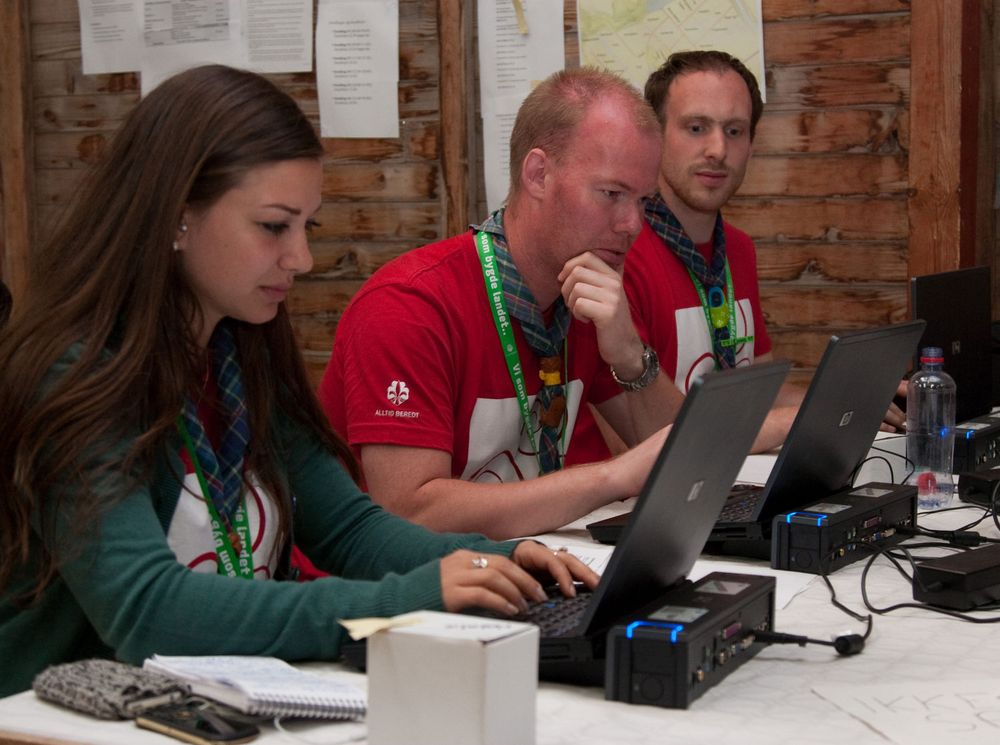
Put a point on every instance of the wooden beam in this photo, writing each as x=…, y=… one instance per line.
x=454, y=113
x=935, y=136
x=16, y=146
x=951, y=185
x=975, y=173
x=983, y=248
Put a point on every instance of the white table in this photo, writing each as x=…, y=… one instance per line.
x=772, y=698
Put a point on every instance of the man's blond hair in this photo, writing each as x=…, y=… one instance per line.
x=549, y=115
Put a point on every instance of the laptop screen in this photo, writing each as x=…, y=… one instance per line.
x=686, y=488
x=840, y=415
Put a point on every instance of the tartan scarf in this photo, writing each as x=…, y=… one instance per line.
x=545, y=341
x=223, y=469
x=666, y=225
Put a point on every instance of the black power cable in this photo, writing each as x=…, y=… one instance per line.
x=958, y=538
x=895, y=561
x=845, y=644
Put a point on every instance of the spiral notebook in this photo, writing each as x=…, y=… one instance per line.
x=264, y=686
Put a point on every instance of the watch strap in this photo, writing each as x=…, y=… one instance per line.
x=650, y=369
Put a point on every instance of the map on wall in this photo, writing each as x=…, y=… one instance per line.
x=633, y=37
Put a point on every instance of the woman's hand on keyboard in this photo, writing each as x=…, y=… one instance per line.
x=559, y=564
x=505, y=586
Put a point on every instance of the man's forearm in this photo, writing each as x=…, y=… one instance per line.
x=510, y=510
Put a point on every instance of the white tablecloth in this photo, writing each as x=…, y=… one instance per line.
x=922, y=678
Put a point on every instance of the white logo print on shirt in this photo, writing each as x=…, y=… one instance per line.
x=398, y=392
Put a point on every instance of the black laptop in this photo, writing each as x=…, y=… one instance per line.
x=833, y=430
x=956, y=307
x=680, y=500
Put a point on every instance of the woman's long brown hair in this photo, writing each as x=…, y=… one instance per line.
x=110, y=282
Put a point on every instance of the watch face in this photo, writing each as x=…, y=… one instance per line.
x=650, y=369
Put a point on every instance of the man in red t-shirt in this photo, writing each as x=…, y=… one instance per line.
x=459, y=370
x=690, y=277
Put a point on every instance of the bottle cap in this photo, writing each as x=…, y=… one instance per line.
x=932, y=354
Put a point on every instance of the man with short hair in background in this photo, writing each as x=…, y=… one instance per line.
x=691, y=277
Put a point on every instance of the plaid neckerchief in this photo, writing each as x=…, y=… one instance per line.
x=223, y=470
x=666, y=225
x=545, y=341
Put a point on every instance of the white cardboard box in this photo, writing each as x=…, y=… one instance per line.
x=450, y=679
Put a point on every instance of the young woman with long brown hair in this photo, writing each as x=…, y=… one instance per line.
x=161, y=443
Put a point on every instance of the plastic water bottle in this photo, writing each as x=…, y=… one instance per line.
x=930, y=430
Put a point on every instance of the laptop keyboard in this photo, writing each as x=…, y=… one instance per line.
x=740, y=505
x=558, y=615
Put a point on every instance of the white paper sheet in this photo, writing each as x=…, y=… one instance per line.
x=162, y=37
x=110, y=35
x=278, y=35
x=178, y=34
x=357, y=67
x=959, y=710
x=511, y=63
x=458, y=626
x=787, y=584
x=497, y=126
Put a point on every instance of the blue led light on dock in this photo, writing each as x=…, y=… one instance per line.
x=673, y=628
x=807, y=518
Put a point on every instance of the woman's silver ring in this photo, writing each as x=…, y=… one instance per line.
x=560, y=550
x=480, y=562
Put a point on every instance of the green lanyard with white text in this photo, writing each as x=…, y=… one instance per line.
x=230, y=563
x=713, y=318
x=501, y=317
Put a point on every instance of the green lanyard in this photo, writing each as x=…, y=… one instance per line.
x=720, y=312
x=230, y=564
x=502, y=319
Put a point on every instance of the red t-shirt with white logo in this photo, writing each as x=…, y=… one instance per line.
x=669, y=314
x=417, y=362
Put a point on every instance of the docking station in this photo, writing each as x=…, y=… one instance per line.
x=979, y=488
x=963, y=580
x=673, y=654
x=835, y=532
x=977, y=444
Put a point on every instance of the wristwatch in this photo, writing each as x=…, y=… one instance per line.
x=650, y=369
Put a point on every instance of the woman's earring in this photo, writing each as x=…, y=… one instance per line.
x=183, y=228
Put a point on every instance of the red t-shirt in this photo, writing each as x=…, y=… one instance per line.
x=669, y=314
x=417, y=362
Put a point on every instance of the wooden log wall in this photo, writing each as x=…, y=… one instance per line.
x=839, y=220
x=828, y=196
x=381, y=197
x=15, y=143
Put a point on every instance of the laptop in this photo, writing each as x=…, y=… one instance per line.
x=956, y=307
x=832, y=432
x=674, y=513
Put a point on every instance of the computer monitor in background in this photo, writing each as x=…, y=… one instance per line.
x=956, y=307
